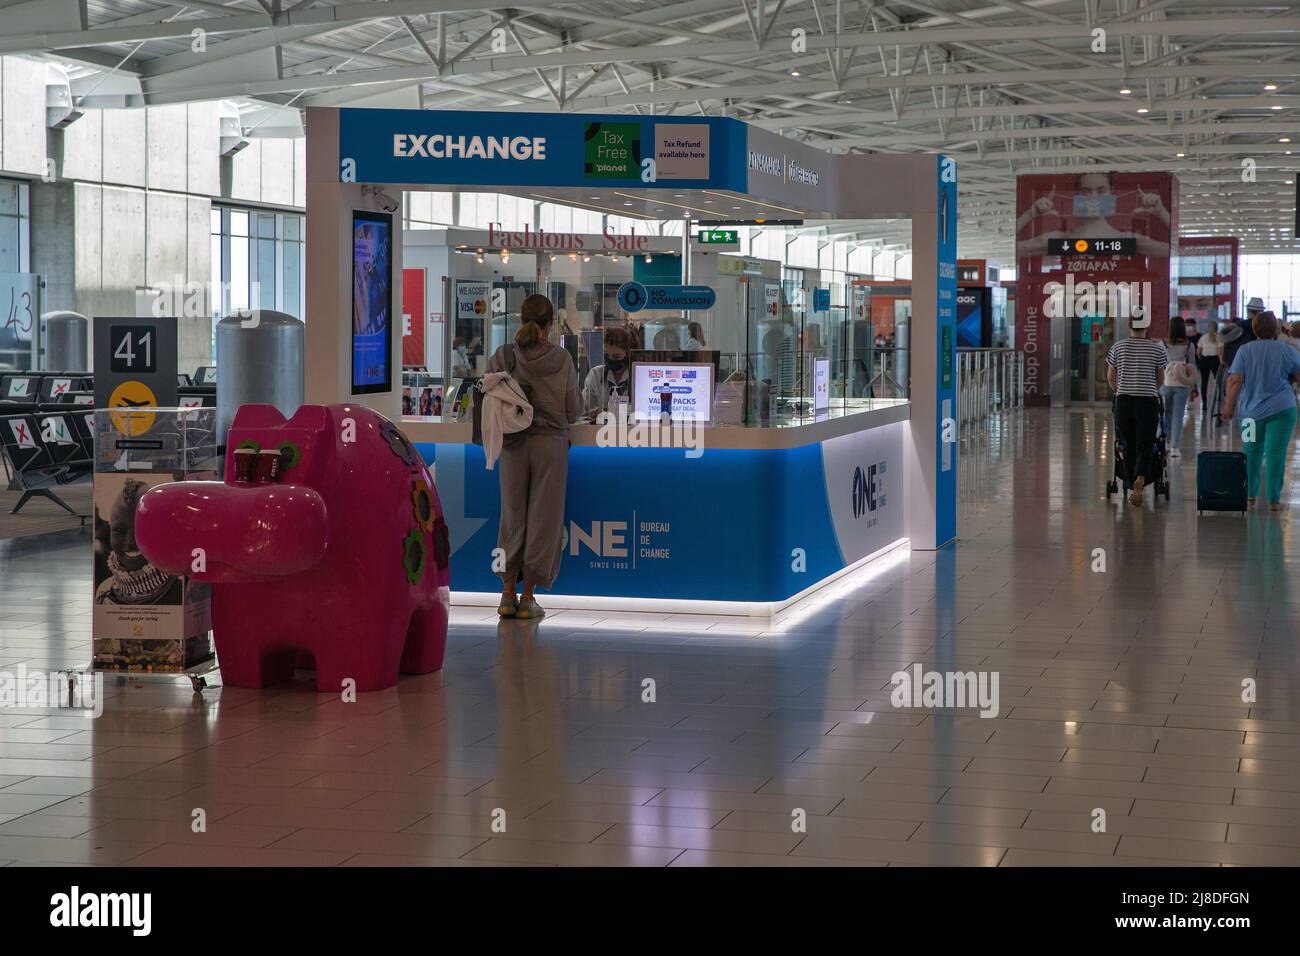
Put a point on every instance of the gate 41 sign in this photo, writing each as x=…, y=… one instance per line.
x=135, y=367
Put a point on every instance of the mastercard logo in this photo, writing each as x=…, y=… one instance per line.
x=480, y=307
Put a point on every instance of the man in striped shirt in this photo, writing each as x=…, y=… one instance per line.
x=1136, y=370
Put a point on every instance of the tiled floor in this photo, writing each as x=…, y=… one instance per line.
x=1120, y=690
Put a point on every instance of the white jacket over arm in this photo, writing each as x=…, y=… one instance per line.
x=505, y=410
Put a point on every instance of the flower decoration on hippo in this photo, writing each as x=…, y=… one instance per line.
x=341, y=562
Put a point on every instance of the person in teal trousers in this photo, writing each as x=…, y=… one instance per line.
x=1259, y=392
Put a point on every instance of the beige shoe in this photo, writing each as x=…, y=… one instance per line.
x=529, y=610
x=508, y=605
x=1135, y=496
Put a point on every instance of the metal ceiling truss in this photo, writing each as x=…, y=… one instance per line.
x=1006, y=86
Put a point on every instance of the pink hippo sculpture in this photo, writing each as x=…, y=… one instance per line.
x=334, y=555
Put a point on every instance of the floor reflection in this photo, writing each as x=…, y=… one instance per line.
x=1145, y=662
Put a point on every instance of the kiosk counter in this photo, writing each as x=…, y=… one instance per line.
x=723, y=518
x=744, y=509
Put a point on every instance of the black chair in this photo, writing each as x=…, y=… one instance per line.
x=19, y=392
x=55, y=384
x=33, y=464
x=183, y=380
x=73, y=398
x=197, y=396
x=205, y=375
x=83, y=421
x=63, y=444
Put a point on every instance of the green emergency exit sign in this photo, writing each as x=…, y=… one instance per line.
x=718, y=237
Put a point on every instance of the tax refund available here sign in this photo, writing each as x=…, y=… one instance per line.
x=633, y=297
x=536, y=149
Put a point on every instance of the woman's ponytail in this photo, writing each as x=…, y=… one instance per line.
x=536, y=314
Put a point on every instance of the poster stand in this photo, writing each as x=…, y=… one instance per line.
x=147, y=622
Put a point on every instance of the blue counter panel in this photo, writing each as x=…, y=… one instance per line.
x=730, y=525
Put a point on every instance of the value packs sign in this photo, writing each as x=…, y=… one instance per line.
x=535, y=149
x=758, y=525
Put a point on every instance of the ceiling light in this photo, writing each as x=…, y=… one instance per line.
x=648, y=260
x=1276, y=107
x=1125, y=91
x=1285, y=139
x=586, y=258
x=794, y=72
x=627, y=202
x=573, y=257
x=1270, y=86
x=1180, y=155
x=1143, y=109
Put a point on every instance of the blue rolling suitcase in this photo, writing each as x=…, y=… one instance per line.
x=1220, y=481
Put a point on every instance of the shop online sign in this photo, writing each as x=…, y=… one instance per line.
x=532, y=149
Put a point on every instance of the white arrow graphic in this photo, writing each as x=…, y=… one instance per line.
x=449, y=478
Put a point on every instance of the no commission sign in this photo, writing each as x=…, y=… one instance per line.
x=633, y=297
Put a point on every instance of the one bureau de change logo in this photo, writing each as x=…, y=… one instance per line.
x=868, y=488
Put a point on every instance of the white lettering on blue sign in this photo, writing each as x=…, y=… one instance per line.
x=445, y=146
x=801, y=174
x=762, y=163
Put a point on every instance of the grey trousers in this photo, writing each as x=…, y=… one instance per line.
x=534, y=472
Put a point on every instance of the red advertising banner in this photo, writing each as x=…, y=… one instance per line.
x=1090, y=245
x=414, y=319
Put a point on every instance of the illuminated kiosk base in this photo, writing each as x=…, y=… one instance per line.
x=758, y=521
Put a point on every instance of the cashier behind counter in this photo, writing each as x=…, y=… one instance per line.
x=610, y=384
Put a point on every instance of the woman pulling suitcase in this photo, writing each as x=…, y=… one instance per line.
x=1259, y=390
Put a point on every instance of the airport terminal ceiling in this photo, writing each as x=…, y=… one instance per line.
x=1206, y=89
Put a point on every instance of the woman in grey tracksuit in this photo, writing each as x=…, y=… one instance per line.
x=535, y=462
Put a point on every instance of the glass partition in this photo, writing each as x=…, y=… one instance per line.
x=783, y=351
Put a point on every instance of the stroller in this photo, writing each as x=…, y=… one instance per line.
x=1159, y=476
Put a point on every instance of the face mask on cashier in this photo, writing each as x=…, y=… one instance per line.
x=1090, y=207
x=616, y=365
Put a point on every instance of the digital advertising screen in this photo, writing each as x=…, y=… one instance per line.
x=970, y=319
x=684, y=392
x=372, y=283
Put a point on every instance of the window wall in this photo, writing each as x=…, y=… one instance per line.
x=20, y=298
x=15, y=227
x=1274, y=278
x=257, y=261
